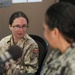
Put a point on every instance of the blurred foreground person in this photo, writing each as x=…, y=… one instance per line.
x=59, y=31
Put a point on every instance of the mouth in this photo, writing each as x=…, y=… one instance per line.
x=20, y=33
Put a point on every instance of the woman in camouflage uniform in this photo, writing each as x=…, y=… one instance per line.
x=59, y=31
x=28, y=63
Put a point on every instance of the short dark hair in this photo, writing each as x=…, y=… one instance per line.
x=70, y=1
x=61, y=15
x=17, y=15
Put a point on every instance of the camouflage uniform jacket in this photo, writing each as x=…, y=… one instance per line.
x=28, y=63
x=60, y=64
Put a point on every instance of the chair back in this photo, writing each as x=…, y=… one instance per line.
x=42, y=50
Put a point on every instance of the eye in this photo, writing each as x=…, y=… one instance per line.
x=17, y=26
x=24, y=26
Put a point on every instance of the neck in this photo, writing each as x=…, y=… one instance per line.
x=64, y=45
x=15, y=40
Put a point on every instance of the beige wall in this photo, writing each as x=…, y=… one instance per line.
x=35, y=12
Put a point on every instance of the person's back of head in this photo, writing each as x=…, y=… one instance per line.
x=70, y=1
x=61, y=15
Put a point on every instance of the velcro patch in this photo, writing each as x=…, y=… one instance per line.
x=35, y=50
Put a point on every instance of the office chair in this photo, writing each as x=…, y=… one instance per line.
x=42, y=51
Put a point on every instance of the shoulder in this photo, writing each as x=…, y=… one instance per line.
x=71, y=60
x=5, y=39
x=70, y=66
x=30, y=40
x=4, y=43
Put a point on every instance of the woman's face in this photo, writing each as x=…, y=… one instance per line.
x=50, y=36
x=18, y=27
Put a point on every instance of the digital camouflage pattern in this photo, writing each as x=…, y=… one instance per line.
x=60, y=64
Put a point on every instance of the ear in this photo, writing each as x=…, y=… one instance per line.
x=10, y=27
x=56, y=32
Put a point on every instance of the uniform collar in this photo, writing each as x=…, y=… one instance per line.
x=11, y=38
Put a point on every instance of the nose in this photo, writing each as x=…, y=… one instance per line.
x=21, y=29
